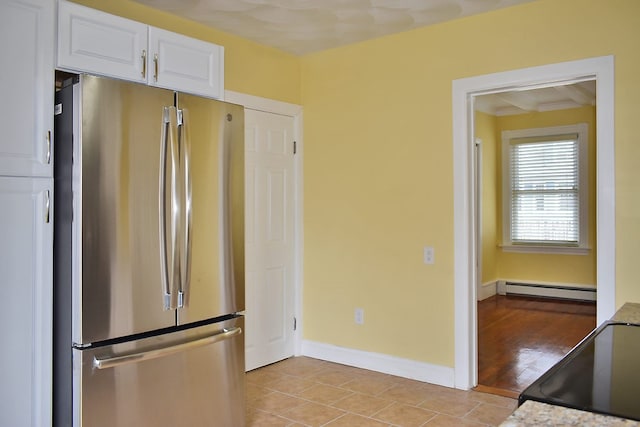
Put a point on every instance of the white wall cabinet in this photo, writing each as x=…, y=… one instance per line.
x=99, y=43
x=27, y=35
x=26, y=279
x=186, y=64
x=27, y=83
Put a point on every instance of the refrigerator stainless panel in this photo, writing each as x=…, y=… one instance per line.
x=120, y=289
x=156, y=214
x=213, y=134
x=190, y=378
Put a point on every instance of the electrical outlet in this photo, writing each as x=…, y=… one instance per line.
x=358, y=316
x=429, y=255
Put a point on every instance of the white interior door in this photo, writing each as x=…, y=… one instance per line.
x=269, y=238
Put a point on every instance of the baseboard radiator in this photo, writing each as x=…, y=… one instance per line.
x=573, y=292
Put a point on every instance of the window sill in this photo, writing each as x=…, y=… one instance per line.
x=532, y=249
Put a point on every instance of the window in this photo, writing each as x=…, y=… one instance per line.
x=545, y=189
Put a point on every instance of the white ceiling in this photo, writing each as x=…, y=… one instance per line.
x=536, y=100
x=304, y=26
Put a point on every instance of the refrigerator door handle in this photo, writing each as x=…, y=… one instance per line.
x=185, y=158
x=169, y=215
x=136, y=357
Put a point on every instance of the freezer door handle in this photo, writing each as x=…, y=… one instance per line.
x=128, y=358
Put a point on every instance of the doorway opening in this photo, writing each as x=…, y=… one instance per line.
x=534, y=160
x=465, y=242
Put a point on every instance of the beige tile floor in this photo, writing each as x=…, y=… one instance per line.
x=302, y=391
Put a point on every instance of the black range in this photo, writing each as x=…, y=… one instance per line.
x=601, y=374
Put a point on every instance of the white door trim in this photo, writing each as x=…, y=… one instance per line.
x=262, y=104
x=295, y=111
x=464, y=90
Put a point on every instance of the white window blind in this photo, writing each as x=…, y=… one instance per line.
x=545, y=190
x=545, y=202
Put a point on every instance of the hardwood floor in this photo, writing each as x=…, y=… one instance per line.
x=519, y=338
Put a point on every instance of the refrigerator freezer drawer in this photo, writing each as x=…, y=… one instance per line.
x=193, y=377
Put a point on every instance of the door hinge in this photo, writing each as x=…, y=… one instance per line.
x=295, y=324
x=295, y=147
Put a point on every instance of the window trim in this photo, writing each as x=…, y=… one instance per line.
x=583, y=193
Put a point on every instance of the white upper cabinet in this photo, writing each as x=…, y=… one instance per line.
x=27, y=85
x=99, y=43
x=186, y=64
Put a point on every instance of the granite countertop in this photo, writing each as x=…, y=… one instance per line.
x=532, y=413
x=628, y=313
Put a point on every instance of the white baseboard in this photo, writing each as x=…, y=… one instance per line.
x=378, y=362
x=487, y=290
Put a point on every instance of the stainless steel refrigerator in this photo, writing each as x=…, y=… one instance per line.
x=148, y=257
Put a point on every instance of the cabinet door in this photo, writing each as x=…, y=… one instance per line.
x=25, y=319
x=27, y=86
x=100, y=43
x=185, y=64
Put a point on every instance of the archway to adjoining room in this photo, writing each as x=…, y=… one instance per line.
x=465, y=92
x=535, y=198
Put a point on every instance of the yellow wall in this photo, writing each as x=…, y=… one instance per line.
x=249, y=67
x=379, y=170
x=486, y=130
x=378, y=155
x=571, y=269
